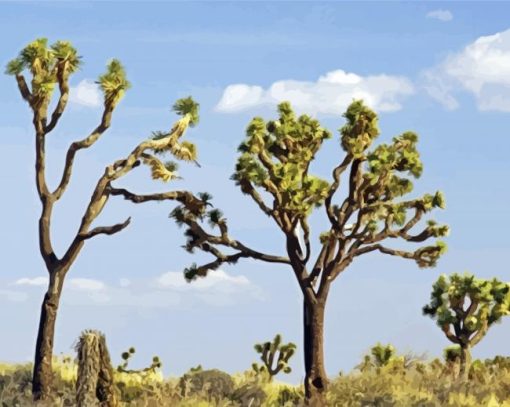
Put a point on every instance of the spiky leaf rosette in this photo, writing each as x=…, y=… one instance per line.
x=163, y=171
x=187, y=107
x=465, y=307
x=113, y=82
x=360, y=130
x=46, y=64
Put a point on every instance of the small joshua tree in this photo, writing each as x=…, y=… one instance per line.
x=379, y=356
x=382, y=354
x=126, y=356
x=271, y=352
x=465, y=307
x=50, y=68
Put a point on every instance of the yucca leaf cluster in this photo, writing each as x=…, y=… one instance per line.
x=276, y=157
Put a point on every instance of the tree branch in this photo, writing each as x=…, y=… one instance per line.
x=79, y=145
x=337, y=172
x=63, y=85
x=449, y=334
x=186, y=198
x=105, y=230
x=385, y=250
x=23, y=88
x=351, y=203
x=201, y=239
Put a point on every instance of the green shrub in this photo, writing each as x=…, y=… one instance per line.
x=211, y=384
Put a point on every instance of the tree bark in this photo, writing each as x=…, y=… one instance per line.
x=43, y=373
x=465, y=362
x=315, y=378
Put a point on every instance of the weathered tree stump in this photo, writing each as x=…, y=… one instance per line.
x=94, y=385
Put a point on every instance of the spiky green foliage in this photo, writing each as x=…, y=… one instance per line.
x=167, y=142
x=275, y=357
x=187, y=106
x=214, y=216
x=276, y=156
x=113, y=82
x=164, y=171
x=45, y=63
x=465, y=307
x=360, y=130
x=382, y=354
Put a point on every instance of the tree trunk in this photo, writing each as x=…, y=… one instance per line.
x=315, y=378
x=465, y=362
x=43, y=373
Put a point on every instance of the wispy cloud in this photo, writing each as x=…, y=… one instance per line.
x=86, y=284
x=36, y=281
x=329, y=95
x=86, y=93
x=217, y=280
x=169, y=289
x=441, y=15
x=482, y=68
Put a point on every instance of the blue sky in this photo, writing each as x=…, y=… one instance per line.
x=440, y=69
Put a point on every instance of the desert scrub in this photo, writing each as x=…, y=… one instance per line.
x=399, y=383
x=212, y=385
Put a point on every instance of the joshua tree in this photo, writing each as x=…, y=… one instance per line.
x=271, y=352
x=50, y=67
x=465, y=307
x=382, y=354
x=379, y=356
x=275, y=159
x=126, y=356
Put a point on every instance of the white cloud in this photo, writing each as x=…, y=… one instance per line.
x=169, y=290
x=239, y=97
x=36, y=281
x=85, y=94
x=329, y=95
x=86, y=284
x=441, y=15
x=79, y=284
x=216, y=280
x=482, y=68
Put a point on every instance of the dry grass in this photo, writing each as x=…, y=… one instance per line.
x=399, y=383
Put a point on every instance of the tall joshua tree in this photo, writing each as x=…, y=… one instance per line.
x=465, y=307
x=275, y=159
x=50, y=67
